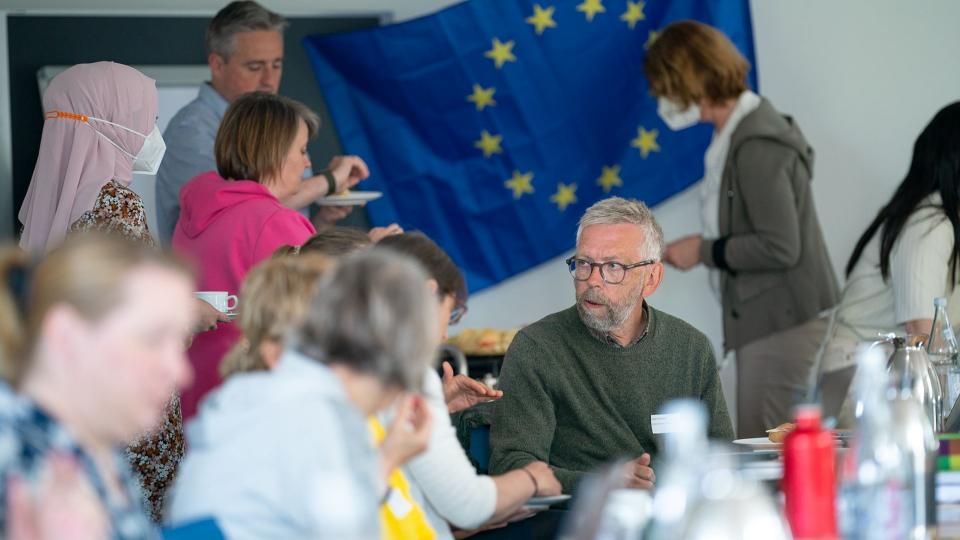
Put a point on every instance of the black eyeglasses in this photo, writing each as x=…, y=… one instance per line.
x=612, y=272
x=457, y=313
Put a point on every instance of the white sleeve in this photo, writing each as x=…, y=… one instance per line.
x=444, y=474
x=920, y=266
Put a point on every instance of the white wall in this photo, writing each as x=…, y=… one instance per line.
x=862, y=78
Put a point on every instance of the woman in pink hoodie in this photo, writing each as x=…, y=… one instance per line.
x=233, y=218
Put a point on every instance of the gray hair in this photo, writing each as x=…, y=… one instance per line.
x=375, y=314
x=236, y=17
x=616, y=211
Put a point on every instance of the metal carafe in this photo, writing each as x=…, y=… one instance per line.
x=910, y=369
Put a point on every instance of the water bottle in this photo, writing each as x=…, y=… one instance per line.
x=886, y=489
x=685, y=452
x=703, y=494
x=944, y=354
x=914, y=436
x=874, y=493
x=809, y=477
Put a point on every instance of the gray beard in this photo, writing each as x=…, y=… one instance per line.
x=613, y=317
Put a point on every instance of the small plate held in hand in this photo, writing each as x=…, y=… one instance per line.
x=349, y=198
x=555, y=499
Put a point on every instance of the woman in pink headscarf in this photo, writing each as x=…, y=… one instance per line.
x=100, y=128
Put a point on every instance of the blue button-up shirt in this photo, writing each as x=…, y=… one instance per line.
x=189, y=137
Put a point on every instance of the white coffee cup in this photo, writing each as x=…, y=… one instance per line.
x=220, y=300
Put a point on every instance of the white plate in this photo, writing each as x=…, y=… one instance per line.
x=537, y=501
x=759, y=443
x=763, y=470
x=350, y=198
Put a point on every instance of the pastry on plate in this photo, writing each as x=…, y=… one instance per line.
x=779, y=433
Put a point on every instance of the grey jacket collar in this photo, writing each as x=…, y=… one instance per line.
x=767, y=123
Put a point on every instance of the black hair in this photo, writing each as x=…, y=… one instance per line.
x=935, y=168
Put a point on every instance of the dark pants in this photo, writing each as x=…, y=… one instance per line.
x=543, y=526
x=772, y=377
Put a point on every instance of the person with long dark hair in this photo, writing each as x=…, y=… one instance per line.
x=908, y=256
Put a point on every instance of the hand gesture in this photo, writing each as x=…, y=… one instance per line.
x=547, y=483
x=207, y=317
x=639, y=473
x=461, y=392
x=328, y=216
x=379, y=233
x=683, y=254
x=408, y=434
x=347, y=171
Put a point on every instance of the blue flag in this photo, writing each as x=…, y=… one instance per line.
x=492, y=125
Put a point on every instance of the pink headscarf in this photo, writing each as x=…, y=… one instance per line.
x=75, y=162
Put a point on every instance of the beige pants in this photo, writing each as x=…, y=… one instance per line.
x=772, y=376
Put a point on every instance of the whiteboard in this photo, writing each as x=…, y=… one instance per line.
x=176, y=86
x=171, y=100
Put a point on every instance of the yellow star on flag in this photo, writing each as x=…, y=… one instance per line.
x=633, y=14
x=565, y=196
x=482, y=97
x=610, y=178
x=542, y=18
x=520, y=184
x=591, y=8
x=651, y=37
x=646, y=141
x=490, y=144
x=501, y=53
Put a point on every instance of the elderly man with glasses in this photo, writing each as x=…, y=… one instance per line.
x=581, y=386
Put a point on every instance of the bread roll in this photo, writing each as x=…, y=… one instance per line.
x=779, y=433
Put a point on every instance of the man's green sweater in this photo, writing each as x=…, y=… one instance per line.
x=576, y=402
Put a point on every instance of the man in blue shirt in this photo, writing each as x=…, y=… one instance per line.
x=245, y=54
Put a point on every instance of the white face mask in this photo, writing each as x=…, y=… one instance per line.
x=147, y=160
x=675, y=118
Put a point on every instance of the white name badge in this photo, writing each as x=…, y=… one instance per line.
x=665, y=423
x=398, y=504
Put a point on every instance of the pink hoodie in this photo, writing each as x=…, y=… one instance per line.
x=225, y=228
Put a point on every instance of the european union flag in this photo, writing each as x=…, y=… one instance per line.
x=492, y=125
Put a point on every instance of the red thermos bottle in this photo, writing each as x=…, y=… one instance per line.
x=809, y=478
